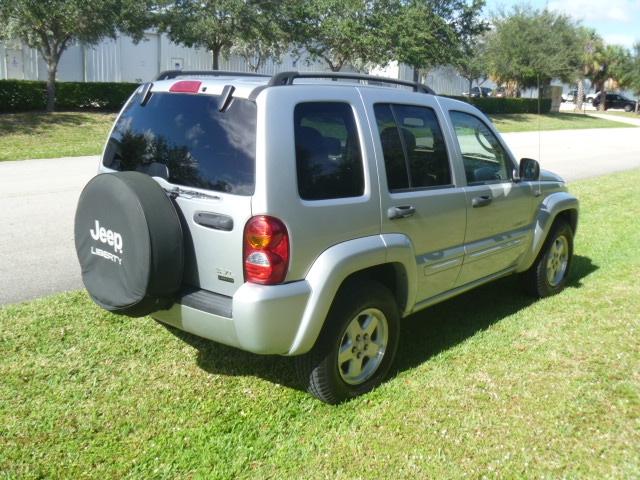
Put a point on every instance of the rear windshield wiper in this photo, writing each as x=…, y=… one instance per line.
x=175, y=191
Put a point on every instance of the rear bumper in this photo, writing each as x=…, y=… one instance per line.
x=258, y=318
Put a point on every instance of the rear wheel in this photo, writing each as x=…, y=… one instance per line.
x=356, y=347
x=628, y=108
x=548, y=275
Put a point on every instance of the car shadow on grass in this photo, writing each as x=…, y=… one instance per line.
x=423, y=335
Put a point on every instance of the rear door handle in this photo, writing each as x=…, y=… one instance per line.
x=481, y=201
x=401, y=211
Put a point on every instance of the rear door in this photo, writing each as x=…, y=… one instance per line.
x=419, y=194
x=206, y=158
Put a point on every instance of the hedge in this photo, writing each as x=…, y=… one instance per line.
x=496, y=105
x=23, y=95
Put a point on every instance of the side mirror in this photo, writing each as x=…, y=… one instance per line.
x=529, y=169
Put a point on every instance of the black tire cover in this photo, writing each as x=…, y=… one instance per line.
x=129, y=243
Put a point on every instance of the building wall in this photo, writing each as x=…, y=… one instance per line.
x=111, y=60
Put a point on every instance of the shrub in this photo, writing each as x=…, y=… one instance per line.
x=496, y=105
x=20, y=95
x=23, y=95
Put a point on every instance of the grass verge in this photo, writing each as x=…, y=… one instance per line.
x=53, y=135
x=524, y=122
x=489, y=384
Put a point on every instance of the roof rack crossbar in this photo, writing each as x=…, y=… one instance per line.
x=171, y=74
x=287, y=78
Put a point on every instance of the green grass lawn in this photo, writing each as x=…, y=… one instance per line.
x=621, y=113
x=488, y=385
x=524, y=122
x=60, y=134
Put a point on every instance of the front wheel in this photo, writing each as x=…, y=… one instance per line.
x=628, y=108
x=548, y=275
x=356, y=348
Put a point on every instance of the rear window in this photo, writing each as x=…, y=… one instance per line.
x=186, y=140
x=328, y=158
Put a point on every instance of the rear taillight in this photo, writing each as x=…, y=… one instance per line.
x=185, y=86
x=266, y=250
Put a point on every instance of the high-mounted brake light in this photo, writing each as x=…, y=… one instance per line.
x=185, y=86
x=266, y=250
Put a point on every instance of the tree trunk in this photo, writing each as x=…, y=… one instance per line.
x=602, y=107
x=470, y=86
x=52, y=69
x=580, y=97
x=215, y=56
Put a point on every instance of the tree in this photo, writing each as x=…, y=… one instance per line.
x=429, y=33
x=343, y=31
x=529, y=46
x=263, y=38
x=630, y=75
x=50, y=26
x=472, y=65
x=610, y=61
x=216, y=25
x=590, y=43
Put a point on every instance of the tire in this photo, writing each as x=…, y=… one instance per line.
x=129, y=243
x=628, y=108
x=358, y=304
x=548, y=275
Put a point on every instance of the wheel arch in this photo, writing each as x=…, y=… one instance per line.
x=387, y=259
x=559, y=206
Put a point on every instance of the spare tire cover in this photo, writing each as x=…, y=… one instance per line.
x=129, y=243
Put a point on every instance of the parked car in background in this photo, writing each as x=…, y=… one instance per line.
x=499, y=92
x=570, y=96
x=615, y=100
x=478, y=92
x=590, y=96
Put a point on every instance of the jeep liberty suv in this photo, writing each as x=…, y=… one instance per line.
x=305, y=214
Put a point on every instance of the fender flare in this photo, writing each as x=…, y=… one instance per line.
x=335, y=264
x=548, y=211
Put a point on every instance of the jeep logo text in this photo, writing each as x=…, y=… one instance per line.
x=111, y=238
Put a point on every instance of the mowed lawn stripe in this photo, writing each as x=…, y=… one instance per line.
x=488, y=384
x=53, y=135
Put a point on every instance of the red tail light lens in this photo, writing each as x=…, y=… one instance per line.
x=266, y=250
x=185, y=86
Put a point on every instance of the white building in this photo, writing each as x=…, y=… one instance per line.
x=122, y=60
x=118, y=60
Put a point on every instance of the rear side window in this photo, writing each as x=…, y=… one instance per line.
x=186, y=140
x=328, y=156
x=415, y=155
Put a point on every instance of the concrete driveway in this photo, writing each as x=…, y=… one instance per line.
x=38, y=200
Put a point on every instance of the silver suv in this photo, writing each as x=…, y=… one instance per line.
x=306, y=214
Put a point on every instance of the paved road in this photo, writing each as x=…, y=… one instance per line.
x=38, y=200
x=37, y=205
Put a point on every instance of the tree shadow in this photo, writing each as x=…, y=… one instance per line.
x=31, y=123
x=423, y=335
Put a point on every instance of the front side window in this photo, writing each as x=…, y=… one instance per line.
x=484, y=158
x=415, y=155
x=328, y=155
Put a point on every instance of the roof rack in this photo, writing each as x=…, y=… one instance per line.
x=287, y=78
x=170, y=74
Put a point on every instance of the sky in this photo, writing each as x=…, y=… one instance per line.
x=617, y=21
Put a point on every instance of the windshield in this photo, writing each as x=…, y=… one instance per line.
x=187, y=141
